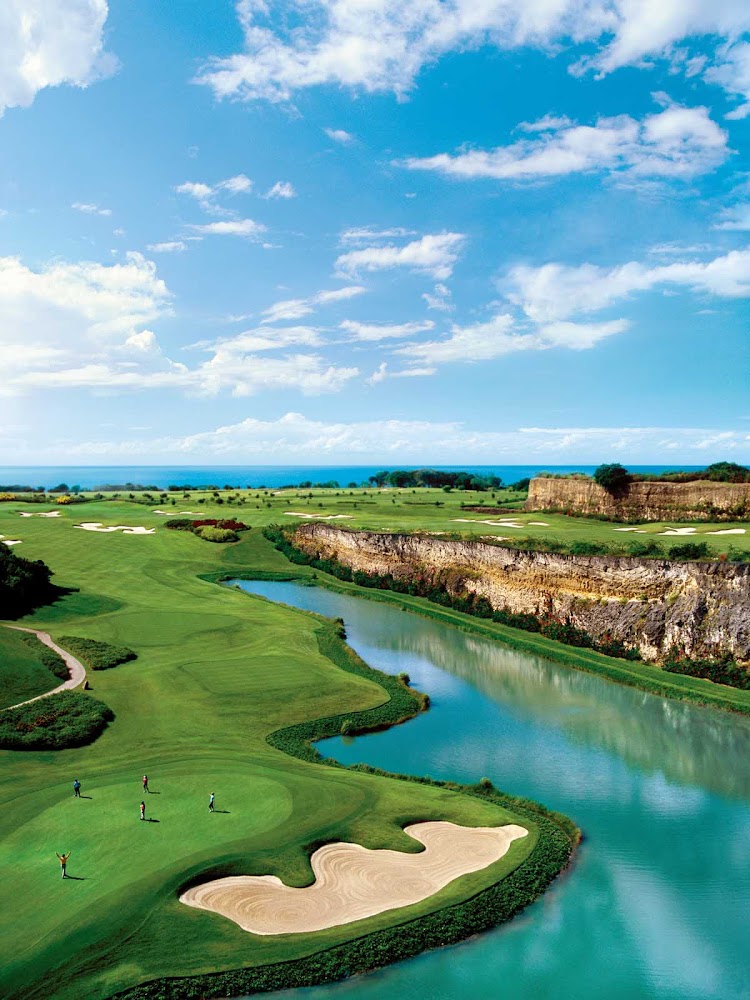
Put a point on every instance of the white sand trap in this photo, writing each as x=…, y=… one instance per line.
x=176, y=513
x=641, y=531
x=10, y=541
x=48, y=513
x=352, y=882
x=320, y=517
x=539, y=524
x=124, y=528
x=494, y=524
x=679, y=531
x=728, y=531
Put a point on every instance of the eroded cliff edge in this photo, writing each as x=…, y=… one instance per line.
x=653, y=605
x=642, y=501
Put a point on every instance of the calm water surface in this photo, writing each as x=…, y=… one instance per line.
x=657, y=904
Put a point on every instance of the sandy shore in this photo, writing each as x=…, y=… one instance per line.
x=352, y=883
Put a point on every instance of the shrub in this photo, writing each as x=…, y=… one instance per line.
x=690, y=550
x=179, y=524
x=64, y=499
x=612, y=477
x=95, y=654
x=347, y=727
x=721, y=671
x=583, y=548
x=221, y=535
x=4, y=497
x=61, y=721
x=24, y=585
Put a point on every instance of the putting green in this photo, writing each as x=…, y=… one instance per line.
x=217, y=671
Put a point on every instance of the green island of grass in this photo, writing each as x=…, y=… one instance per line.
x=228, y=694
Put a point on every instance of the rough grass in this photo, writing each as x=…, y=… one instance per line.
x=96, y=655
x=64, y=720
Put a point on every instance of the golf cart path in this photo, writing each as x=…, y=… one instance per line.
x=76, y=668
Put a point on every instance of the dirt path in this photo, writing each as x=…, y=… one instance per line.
x=352, y=883
x=75, y=667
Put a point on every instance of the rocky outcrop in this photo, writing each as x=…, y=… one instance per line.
x=643, y=501
x=653, y=605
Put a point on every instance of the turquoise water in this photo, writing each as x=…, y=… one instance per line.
x=656, y=904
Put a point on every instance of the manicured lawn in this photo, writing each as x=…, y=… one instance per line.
x=22, y=673
x=217, y=671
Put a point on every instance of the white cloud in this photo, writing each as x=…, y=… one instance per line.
x=231, y=227
x=205, y=194
x=46, y=43
x=557, y=291
x=297, y=308
x=368, y=234
x=382, y=45
x=90, y=209
x=384, y=331
x=281, y=189
x=383, y=372
x=296, y=438
x=173, y=246
x=434, y=254
x=737, y=217
x=677, y=142
x=439, y=298
x=266, y=338
x=339, y=135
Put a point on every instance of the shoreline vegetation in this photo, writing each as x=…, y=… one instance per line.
x=705, y=682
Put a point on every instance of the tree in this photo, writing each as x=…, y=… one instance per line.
x=612, y=477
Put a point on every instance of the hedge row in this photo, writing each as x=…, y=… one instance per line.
x=51, y=660
x=95, y=654
x=558, y=837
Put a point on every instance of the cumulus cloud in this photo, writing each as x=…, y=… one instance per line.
x=556, y=292
x=295, y=437
x=281, y=189
x=678, y=142
x=384, y=331
x=90, y=209
x=735, y=218
x=206, y=194
x=382, y=45
x=46, y=43
x=439, y=298
x=338, y=135
x=434, y=254
x=290, y=309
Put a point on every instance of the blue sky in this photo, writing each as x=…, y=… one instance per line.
x=362, y=230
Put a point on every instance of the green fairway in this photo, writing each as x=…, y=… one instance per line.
x=22, y=673
x=217, y=672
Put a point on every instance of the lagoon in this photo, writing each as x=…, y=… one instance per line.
x=656, y=904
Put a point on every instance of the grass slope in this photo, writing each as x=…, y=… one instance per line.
x=217, y=673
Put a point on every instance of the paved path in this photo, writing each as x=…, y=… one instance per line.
x=76, y=668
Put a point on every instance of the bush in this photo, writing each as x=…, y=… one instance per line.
x=97, y=655
x=690, y=550
x=721, y=671
x=612, y=478
x=221, y=535
x=179, y=524
x=64, y=499
x=61, y=721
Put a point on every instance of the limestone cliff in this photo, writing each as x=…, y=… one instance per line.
x=653, y=605
x=643, y=501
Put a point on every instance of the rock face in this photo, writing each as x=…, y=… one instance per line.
x=643, y=501
x=654, y=605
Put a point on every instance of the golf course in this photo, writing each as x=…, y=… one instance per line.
x=224, y=695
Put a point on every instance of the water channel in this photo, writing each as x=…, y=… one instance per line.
x=657, y=904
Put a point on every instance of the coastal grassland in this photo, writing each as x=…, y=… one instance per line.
x=24, y=672
x=217, y=674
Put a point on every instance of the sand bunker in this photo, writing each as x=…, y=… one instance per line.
x=679, y=531
x=728, y=531
x=177, y=513
x=124, y=528
x=320, y=517
x=48, y=513
x=641, y=531
x=495, y=524
x=352, y=883
x=539, y=524
x=10, y=541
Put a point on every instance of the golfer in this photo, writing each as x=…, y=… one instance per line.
x=63, y=862
x=77, y=788
x=145, y=782
x=143, y=810
x=211, y=803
